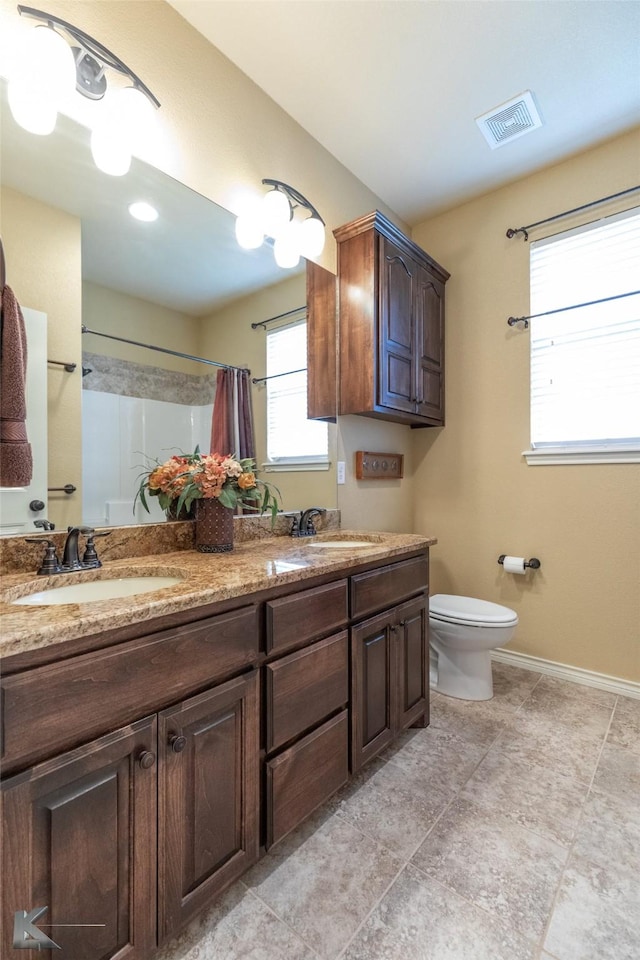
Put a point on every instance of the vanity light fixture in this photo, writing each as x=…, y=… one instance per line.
x=59, y=58
x=142, y=210
x=273, y=216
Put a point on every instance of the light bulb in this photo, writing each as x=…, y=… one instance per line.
x=30, y=109
x=276, y=212
x=135, y=116
x=286, y=248
x=249, y=232
x=311, y=237
x=109, y=154
x=43, y=78
x=121, y=129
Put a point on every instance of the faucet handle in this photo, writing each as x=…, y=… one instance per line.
x=51, y=563
x=90, y=558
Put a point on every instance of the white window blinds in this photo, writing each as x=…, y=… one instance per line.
x=585, y=363
x=290, y=435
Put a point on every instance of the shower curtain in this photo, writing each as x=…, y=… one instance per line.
x=232, y=422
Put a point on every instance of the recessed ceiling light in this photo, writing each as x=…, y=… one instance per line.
x=143, y=211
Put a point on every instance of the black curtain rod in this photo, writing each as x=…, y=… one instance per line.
x=281, y=316
x=512, y=231
x=174, y=353
x=576, y=306
x=274, y=375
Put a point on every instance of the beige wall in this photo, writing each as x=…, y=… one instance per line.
x=474, y=490
x=42, y=248
x=124, y=316
x=375, y=504
x=227, y=334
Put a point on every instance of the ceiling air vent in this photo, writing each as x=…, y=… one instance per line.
x=510, y=120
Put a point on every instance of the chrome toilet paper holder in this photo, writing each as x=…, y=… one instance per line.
x=534, y=563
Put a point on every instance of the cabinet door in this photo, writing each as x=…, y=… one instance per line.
x=372, y=671
x=412, y=652
x=429, y=318
x=208, y=797
x=397, y=386
x=79, y=837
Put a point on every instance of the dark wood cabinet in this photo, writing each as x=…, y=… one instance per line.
x=322, y=346
x=389, y=677
x=391, y=325
x=207, y=797
x=79, y=837
x=143, y=777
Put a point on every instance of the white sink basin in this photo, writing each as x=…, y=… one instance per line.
x=96, y=590
x=340, y=544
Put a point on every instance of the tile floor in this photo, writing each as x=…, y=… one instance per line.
x=507, y=830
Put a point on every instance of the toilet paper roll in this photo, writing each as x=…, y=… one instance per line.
x=514, y=565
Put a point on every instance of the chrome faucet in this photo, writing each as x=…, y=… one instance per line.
x=304, y=527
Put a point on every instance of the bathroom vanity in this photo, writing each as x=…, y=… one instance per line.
x=155, y=746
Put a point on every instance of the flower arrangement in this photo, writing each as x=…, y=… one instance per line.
x=193, y=476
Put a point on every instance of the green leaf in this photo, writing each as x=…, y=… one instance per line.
x=228, y=498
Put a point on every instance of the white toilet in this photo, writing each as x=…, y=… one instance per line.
x=462, y=633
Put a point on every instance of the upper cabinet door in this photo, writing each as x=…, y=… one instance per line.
x=429, y=319
x=397, y=385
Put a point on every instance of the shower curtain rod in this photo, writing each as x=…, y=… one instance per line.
x=174, y=353
x=280, y=316
x=513, y=231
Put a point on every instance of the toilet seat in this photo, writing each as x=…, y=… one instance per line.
x=468, y=610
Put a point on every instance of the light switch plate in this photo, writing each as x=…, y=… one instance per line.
x=341, y=472
x=379, y=466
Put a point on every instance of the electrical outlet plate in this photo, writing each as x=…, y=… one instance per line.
x=379, y=466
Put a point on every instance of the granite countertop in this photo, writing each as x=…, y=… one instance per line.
x=207, y=578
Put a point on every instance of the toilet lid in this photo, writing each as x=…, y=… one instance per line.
x=445, y=606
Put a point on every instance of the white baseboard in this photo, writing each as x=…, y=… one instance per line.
x=589, y=678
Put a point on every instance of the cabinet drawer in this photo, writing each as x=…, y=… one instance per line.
x=306, y=775
x=387, y=585
x=291, y=621
x=68, y=703
x=305, y=687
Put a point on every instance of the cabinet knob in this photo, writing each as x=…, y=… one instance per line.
x=147, y=759
x=177, y=744
x=402, y=623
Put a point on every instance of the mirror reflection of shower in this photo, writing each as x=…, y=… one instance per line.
x=133, y=414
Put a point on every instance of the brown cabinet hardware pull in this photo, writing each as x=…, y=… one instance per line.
x=147, y=759
x=177, y=744
x=68, y=488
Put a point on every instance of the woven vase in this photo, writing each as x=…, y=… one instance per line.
x=214, y=526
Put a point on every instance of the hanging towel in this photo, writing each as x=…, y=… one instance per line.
x=16, y=462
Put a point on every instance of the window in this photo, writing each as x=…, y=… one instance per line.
x=585, y=363
x=292, y=439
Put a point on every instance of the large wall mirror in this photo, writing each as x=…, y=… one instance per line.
x=180, y=283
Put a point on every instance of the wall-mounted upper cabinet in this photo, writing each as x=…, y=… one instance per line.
x=391, y=325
